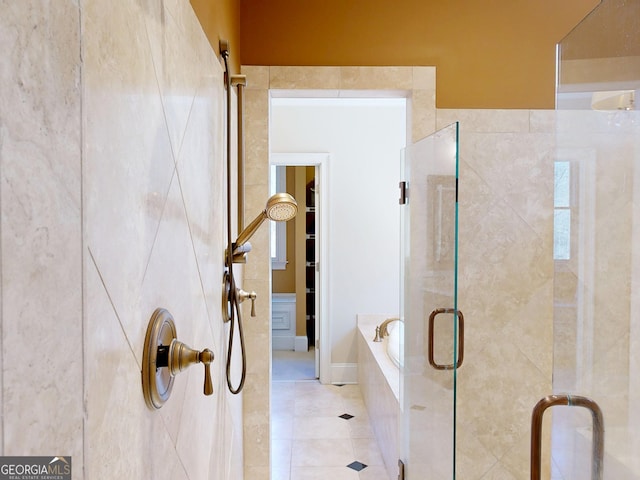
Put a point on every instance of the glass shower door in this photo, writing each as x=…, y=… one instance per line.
x=433, y=327
x=597, y=247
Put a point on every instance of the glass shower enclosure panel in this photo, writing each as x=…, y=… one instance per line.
x=433, y=327
x=597, y=247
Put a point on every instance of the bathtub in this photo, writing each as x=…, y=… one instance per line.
x=379, y=381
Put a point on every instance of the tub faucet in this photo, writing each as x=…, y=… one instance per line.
x=377, y=338
x=382, y=330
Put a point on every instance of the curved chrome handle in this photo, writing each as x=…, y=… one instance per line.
x=432, y=318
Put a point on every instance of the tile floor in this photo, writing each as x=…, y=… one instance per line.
x=319, y=431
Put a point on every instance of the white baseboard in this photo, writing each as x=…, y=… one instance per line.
x=282, y=342
x=344, y=373
x=301, y=344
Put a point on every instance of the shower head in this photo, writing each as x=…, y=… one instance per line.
x=281, y=207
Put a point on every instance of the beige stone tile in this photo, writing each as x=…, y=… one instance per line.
x=518, y=457
x=256, y=446
x=116, y=402
x=257, y=77
x=40, y=224
x=320, y=427
x=473, y=459
x=424, y=78
x=507, y=167
x=499, y=420
x=423, y=113
x=488, y=121
x=199, y=168
x=281, y=454
x=361, y=427
x=193, y=424
x=499, y=473
x=282, y=397
x=304, y=78
x=127, y=163
x=176, y=65
x=320, y=473
x=256, y=405
x=542, y=121
x=259, y=473
x=532, y=328
x=281, y=424
x=375, y=472
x=355, y=407
x=376, y=78
x=281, y=473
x=366, y=450
x=322, y=453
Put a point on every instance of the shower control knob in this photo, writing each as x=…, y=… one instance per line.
x=180, y=357
x=242, y=296
x=163, y=357
x=206, y=357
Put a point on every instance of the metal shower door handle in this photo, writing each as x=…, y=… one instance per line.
x=597, y=452
x=432, y=318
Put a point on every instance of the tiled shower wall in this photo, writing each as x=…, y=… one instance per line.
x=505, y=285
x=40, y=230
x=112, y=143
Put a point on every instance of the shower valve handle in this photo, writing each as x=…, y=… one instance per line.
x=179, y=357
x=242, y=296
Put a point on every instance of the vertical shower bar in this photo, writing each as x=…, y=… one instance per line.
x=240, y=81
x=597, y=449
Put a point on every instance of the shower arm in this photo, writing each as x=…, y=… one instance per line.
x=247, y=233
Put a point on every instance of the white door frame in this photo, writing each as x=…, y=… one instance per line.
x=321, y=162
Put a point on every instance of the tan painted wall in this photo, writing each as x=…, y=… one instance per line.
x=488, y=54
x=220, y=19
x=284, y=281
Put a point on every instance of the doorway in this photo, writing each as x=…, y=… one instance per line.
x=364, y=136
x=298, y=287
x=414, y=83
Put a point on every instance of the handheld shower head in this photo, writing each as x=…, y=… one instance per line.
x=281, y=207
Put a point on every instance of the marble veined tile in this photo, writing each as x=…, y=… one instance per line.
x=128, y=165
x=120, y=431
x=181, y=294
x=498, y=420
x=304, y=77
x=40, y=225
x=177, y=68
x=499, y=256
x=511, y=162
x=486, y=121
x=200, y=172
x=376, y=78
